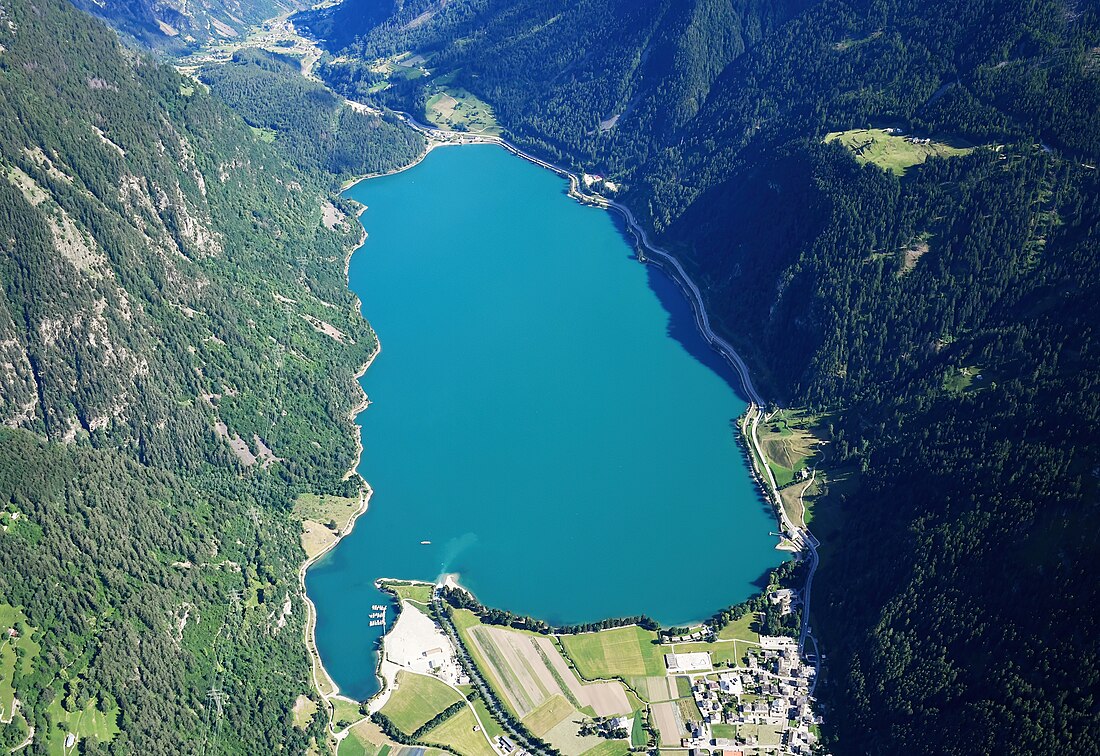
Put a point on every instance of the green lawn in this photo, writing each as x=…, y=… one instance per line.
x=88, y=723
x=638, y=736
x=492, y=727
x=464, y=619
x=892, y=152
x=325, y=507
x=618, y=652
x=418, y=592
x=304, y=709
x=609, y=748
x=458, y=734
x=788, y=442
x=959, y=380
x=365, y=739
x=724, y=731
x=766, y=735
x=10, y=617
x=741, y=629
x=264, y=135
x=461, y=110
x=345, y=711
x=417, y=699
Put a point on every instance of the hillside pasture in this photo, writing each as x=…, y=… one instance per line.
x=894, y=152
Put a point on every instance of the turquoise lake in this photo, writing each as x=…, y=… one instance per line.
x=543, y=411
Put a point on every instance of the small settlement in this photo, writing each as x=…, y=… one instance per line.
x=769, y=700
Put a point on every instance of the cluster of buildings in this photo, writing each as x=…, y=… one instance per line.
x=763, y=707
x=785, y=599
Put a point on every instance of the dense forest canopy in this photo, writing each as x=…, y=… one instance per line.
x=937, y=311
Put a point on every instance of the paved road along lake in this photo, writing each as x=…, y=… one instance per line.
x=543, y=412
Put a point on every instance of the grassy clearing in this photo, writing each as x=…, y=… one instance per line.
x=492, y=726
x=722, y=653
x=963, y=380
x=89, y=723
x=638, y=736
x=460, y=110
x=13, y=619
x=794, y=497
x=365, y=739
x=323, y=518
x=766, y=735
x=461, y=733
x=893, y=152
x=264, y=135
x=417, y=699
x=743, y=629
x=304, y=709
x=619, y=652
x=724, y=731
x=421, y=593
x=849, y=43
x=789, y=443
x=345, y=712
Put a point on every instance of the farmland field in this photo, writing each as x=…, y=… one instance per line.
x=458, y=733
x=552, y=712
x=655, y=688
x=667, y=718
x=619, y=652
x=417, y=699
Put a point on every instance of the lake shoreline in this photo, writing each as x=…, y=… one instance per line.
x=662, y=259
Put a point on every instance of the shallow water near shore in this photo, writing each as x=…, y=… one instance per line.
x=543, y=412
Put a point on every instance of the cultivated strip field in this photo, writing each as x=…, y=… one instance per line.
x=532, y=671
x=536, y=682
x=606, y=698
x=666, y=716
x=525, y=680
x=655, y=689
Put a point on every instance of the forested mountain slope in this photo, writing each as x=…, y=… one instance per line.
x=312, y=126
x=177, y=352
x=938, y=313
x=606, y=80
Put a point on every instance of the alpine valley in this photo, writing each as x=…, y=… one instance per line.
x=733, y=390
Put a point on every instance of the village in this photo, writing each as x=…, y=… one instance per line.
x=765, y=706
